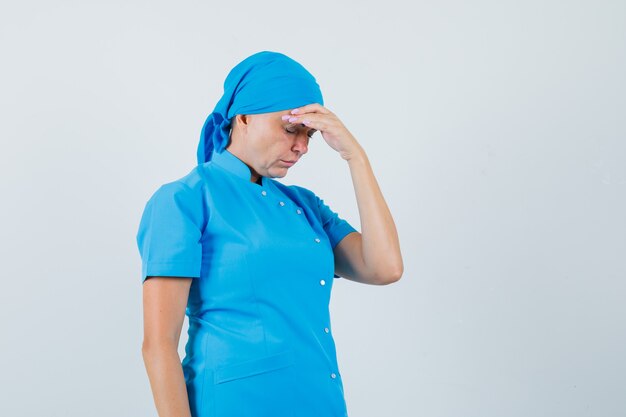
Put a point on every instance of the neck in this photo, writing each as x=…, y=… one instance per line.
x=254, y=177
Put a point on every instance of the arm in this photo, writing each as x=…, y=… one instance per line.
x=373, y=256
x=164, y=302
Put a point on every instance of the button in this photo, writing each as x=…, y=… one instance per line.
x=281, y=203
x=317, y=240
x=326, y=329
x=264, y=192
x=298, y=211
x=333, y=376
x=322, y=282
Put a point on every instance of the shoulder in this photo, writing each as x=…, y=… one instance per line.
x=300, y=191
x=193, y=181
x=187, y=190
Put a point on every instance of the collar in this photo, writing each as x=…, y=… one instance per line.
x=234, y=165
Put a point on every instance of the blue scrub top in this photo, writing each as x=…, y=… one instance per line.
x=261, y=255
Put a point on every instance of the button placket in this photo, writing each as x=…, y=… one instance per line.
x=316, y=239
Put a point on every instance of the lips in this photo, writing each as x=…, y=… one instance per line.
x=288, y=162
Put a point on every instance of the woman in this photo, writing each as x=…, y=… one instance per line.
x=251, y=261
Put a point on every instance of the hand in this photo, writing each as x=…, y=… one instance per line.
x=333, y=130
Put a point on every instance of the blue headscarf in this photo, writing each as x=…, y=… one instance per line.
x=262, y=83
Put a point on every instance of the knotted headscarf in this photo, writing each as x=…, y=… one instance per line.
x=264, y=82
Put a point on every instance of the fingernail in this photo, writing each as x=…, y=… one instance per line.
x=294, y=111
x=286, y=116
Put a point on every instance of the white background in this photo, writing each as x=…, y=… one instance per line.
x=496, y=132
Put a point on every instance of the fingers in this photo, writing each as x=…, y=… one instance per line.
x=320, y=123
x=305, y=119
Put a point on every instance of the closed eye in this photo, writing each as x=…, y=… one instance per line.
x=312, y=131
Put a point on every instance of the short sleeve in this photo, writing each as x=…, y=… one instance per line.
x=170, y=232
x=335, y=227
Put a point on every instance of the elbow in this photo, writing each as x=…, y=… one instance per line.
x=152, y=347
x=390, y=275
x=393, y=270
x=395, y=275
x=146, y=350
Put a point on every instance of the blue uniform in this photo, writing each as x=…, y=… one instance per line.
x=261, y=255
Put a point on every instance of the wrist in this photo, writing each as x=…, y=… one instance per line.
x=357, y=154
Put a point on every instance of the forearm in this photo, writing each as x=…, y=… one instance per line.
x=166, y=380
x=380, y=244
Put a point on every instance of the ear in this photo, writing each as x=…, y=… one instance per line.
x=242, y=119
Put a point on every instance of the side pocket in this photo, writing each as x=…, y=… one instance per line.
x=263, y=386
x=253, y=367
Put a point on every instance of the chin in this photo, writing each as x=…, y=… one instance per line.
x=280, y=174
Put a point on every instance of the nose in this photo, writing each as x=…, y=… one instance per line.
x=301, y=143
